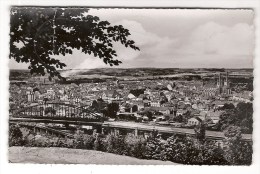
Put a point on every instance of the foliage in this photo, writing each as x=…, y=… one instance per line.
x=237, y=152
x=48, y=32
x=15, y=136
x=200, y=131
x=98, y=105
x=49, y=110
x=187, y=150
x=137, y=92
x=154, y=147
x=135, y=146
x=178, y=118
x=177, y=148
x=115, y=144
x=241, y=116
x=149, y=114
x=99, y=143
x=173, y=149
x=111, y=110
x=227, y=106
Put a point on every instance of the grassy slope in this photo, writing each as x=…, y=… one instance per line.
x=73, y=156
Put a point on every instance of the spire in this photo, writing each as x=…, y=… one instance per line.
x=219, y=80
x=227, y=77
x=226, y=80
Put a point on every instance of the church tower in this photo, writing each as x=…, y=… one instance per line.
x=226, y=83
x=219, y=81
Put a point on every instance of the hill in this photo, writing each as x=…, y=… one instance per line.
x=74, y=156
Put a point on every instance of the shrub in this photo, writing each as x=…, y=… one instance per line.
x=135, y=146
x=154, y=148
x=237, y=152
x=15, y=136
x=99, y=143
x=88, y=141
x=181, y=150
x=212, y=154
x=187, y=150
x=79, y=142
x=115, y=144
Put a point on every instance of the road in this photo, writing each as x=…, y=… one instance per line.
x=132, y=125
x=166, y=129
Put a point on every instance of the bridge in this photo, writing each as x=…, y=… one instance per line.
x=56, y=111
x=84, y=115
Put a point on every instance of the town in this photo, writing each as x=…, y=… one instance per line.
x=158, y=100
x=126, y=86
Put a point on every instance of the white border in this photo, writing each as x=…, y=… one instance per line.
x=7, y=168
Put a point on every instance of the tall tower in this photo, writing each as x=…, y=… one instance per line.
x=226, y=80
x=219, y=81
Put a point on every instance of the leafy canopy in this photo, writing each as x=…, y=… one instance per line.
x=39, y=34
x=241, y=116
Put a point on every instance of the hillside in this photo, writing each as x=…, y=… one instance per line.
x=74, y=156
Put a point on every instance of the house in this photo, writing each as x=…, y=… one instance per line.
x=130, y=108
x=147, y=91
x=180, y=112
x=76, y=99
x=246, y=96
x=163, y=110
x=155, y=103
x=141, y=97
x=195, y=121
x=64, y=98
x=201, y=106
x=131, y=96
x=147, y=103
x=139, y=104
x=111, y=95
x=214, y=115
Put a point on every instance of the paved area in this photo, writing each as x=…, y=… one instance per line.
x=132, y=125
x=141, y=126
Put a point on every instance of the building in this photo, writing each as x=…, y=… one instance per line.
x=195, y=121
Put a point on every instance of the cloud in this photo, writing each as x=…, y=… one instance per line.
x=177, y=38
x=215, y=39
x=138, y=33
x=150, y=44
x=153, y=46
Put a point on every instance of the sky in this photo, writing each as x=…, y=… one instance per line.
x=176, y=38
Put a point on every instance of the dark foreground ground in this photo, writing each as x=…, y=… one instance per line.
x=74, y=156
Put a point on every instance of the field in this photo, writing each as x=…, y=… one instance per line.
x=100, y=75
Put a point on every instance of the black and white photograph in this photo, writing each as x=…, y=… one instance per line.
x=108, y=86
x=156, y=86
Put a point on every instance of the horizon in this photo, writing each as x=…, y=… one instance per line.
x=145, y=68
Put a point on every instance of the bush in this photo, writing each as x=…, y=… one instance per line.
x=135, y=146
x=15, y=136
x=88, y=141
x=187, y=150
x=179, y=149
x=99, y=143
x=237, y=152
x=212, y=154
x=115, y=144
x=154, y=148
